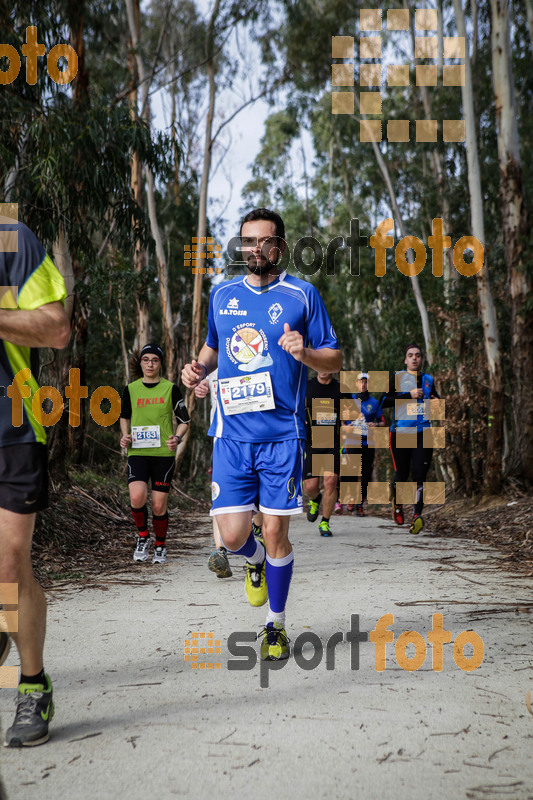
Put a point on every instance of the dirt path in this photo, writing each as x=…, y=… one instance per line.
x=133, y=718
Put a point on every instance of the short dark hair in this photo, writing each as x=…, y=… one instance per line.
x=413, y=344
x=265, y=213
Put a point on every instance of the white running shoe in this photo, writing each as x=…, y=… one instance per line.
x=160, y=555
x=142, y=551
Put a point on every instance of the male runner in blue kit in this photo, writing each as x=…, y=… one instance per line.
x=410, y=394
x=263, y=331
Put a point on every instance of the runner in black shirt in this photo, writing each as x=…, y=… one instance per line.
x=325, y=391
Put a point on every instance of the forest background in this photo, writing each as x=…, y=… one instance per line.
x=116, y=196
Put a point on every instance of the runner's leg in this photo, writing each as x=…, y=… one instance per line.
x=420, y=465
x=367, y=466
x=16, y=531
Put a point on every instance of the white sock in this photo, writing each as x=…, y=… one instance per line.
x=272, y=616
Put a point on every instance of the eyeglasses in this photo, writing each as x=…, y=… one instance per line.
x=251, y=241
x=155, y=361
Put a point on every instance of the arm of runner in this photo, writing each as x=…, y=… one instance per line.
x=201, y=390
x=181, y=417
x=388, y=399
x=194, y=373
x=125, y=417
x=324, y=360
x=125, y=438
x=46, y=326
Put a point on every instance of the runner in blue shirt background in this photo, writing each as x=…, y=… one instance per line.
x=264, y=330
x=370, y=416
x=412, y=388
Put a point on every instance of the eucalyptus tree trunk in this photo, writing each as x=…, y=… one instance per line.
x=493, y=464
x=142, y=324
x=201, y=231
x=204, y=185
x=529, y=14
x=164, y=284
x=415, y=285
x=162, y=266
x=515, y=233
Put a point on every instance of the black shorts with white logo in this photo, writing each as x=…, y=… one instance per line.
x=23, y=478
x=159, y=469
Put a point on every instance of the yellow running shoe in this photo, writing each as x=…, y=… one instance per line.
x=255, y=583
x=275, y=644
x=417, y=523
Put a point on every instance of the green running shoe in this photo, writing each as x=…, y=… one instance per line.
x=219, y=564
x=256, y=529
x=417, y=523
x=255, y=584
x=312, y=508
x=275, y=644
x=324, y=528
x=35, y=709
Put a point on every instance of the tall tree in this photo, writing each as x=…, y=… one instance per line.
x=493, y=472
x=515, y=233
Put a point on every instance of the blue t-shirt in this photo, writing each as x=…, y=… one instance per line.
x=411, y=414
x=244, y=325
x=370, y=408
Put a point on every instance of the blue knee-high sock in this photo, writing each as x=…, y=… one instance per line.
x=278, y=573
x=252, y=550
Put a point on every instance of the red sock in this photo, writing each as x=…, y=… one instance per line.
x=140, y=517
x=160, y=528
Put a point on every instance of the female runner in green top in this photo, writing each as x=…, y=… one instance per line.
x=149, y=406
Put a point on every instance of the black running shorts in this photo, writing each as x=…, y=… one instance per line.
x=23, y=478
x=159, y=469
x=334, y=457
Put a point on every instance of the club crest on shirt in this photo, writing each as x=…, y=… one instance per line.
x=274, y=312
x=248, y=348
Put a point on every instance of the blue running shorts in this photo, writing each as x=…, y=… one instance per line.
x=249, y=475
